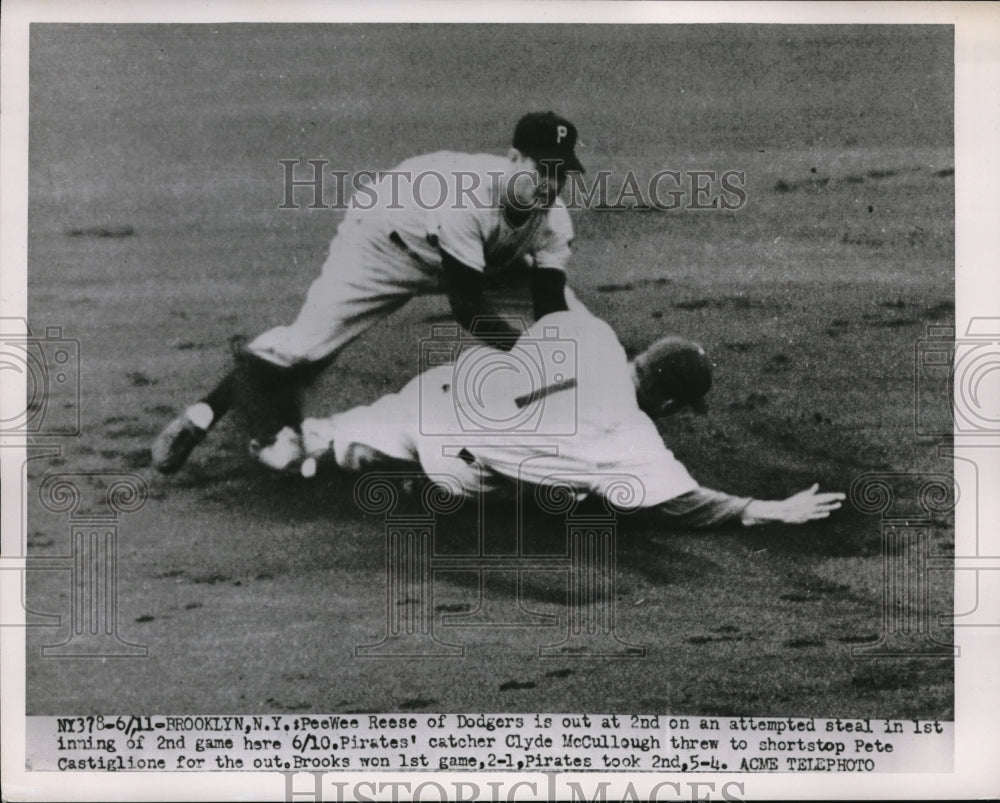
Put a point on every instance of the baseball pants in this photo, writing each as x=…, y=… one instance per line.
x=365, y=278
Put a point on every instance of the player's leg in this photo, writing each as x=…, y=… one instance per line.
x=360, y=284
x=179, y=438
x=268, y=394
x=381, y=435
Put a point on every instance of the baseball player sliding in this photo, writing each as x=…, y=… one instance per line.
x=446, y=222
x=495, y=420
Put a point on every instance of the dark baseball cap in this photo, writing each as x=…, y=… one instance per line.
x=676, y=370
x=547, y=137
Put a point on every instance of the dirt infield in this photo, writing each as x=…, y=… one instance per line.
x=155, y=235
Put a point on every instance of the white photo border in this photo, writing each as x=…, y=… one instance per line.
x=977, y=166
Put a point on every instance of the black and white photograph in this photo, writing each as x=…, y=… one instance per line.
x=536, y=394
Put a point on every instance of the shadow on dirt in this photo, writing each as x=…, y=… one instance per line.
x=518, y=527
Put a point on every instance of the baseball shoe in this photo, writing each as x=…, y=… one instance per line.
x=172, y=446
x=285, y=453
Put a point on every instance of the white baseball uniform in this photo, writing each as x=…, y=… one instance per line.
x=388, y=249
x=559, y=407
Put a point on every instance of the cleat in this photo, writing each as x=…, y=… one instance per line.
x=172, y=446
x=285, y=453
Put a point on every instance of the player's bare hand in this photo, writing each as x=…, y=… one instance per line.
x=807, y=505
x=810, y=504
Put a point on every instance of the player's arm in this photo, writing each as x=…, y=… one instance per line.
x=548, y=291
x=705, y=508
x=550, y=258
x=464, y=286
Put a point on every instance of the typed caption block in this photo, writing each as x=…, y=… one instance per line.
x=486, y=742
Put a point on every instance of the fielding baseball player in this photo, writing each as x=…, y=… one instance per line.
x=487, y=423
x=446, y=222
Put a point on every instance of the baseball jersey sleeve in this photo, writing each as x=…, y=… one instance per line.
x=703, y=507
x=636, y=450
x=554, y=238
x=461, y=234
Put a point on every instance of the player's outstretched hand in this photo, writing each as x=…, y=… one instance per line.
x=807, y=505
